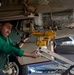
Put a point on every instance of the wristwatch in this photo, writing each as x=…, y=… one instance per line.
x=22, y=41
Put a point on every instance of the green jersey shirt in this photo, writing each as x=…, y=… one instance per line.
x=7, y=47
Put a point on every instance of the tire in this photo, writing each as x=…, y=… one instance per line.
x=21, y=70
x=16, y=65
x=13, y=69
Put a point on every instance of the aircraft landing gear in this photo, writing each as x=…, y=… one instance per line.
x=11, y=69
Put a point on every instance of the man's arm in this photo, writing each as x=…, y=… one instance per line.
x=24, y=38
x=21, y=43
x=26, y=54
x=33, y=54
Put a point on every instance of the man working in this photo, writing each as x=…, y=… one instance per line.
x=8, y=48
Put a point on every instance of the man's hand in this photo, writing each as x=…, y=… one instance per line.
x=25, y=35
x=34, y=54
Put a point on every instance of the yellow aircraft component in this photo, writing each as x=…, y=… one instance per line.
x=42, y=37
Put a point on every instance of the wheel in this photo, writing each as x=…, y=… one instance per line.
x=16, y=67
x=11, y=69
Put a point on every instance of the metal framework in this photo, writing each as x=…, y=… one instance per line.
x=42, y=38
